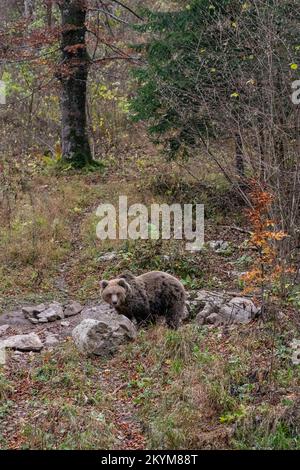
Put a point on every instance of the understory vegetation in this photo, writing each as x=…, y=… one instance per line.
x=194, y=388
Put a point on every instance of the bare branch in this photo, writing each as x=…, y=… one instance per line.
x=114, y=17
x=129, y=9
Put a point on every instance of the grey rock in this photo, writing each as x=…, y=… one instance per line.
x=52, y=313
x=29, y=342
x=207, y=304
x=238, y=273
x=56, y=305
x=42, y=320
x=110, y=256
x=51, y=339
x=190, y=308
x=208, y=309
x=296, y=357
x=186, y=313
x=17, y=356
x=215, y=298
x=15, y=318
x=28, y=311
x=218, y=245
x=96, y=311
x=103, y=337
x=73, y=308
x=33, y=310
x=234, y=310
x=202, y=295
x=3, y=329
x=295, y=344
x=65, y=323
x=238, y=310
x=2, y=356
x=200, y=320
x=33, y=320
x=213, y=319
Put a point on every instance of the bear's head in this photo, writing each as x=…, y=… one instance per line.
x=114, y=292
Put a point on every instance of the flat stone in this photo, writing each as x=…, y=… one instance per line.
x=33, y=310
x=111, y=255
x=52, y=313
x=29, y=342
x=51, y=339
x=204, y=296
x=15, y=318
x=65, y=323
x=73, y=308
x=96, y=311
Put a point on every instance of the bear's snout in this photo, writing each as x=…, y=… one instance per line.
x=114, y=300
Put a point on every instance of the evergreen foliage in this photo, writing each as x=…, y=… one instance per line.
x=207, y=68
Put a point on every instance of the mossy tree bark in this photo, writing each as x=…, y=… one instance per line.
x=73, y=76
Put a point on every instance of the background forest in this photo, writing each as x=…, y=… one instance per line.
x=184, y=101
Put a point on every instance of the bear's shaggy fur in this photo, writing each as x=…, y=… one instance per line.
x=146, y=297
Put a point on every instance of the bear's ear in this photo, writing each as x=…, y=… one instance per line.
x=124, y=284
x=103, y=284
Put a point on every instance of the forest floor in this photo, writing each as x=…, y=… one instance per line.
x=200, y=387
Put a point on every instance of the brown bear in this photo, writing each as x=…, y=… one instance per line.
x=146, y=297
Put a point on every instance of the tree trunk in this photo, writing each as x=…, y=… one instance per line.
x=49, y=13
x=239, y=156
x=73, y=76
x=28, y=8
x=262, y=151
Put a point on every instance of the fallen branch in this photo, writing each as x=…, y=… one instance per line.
x=123, y=385
x=238, y=229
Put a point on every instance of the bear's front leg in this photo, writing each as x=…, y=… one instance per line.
x=142, y=314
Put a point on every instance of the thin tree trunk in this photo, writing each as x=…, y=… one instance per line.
x=262, y=152
x=73, y=76
x=28, y=8
x=49, y=14
x=239, y=156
